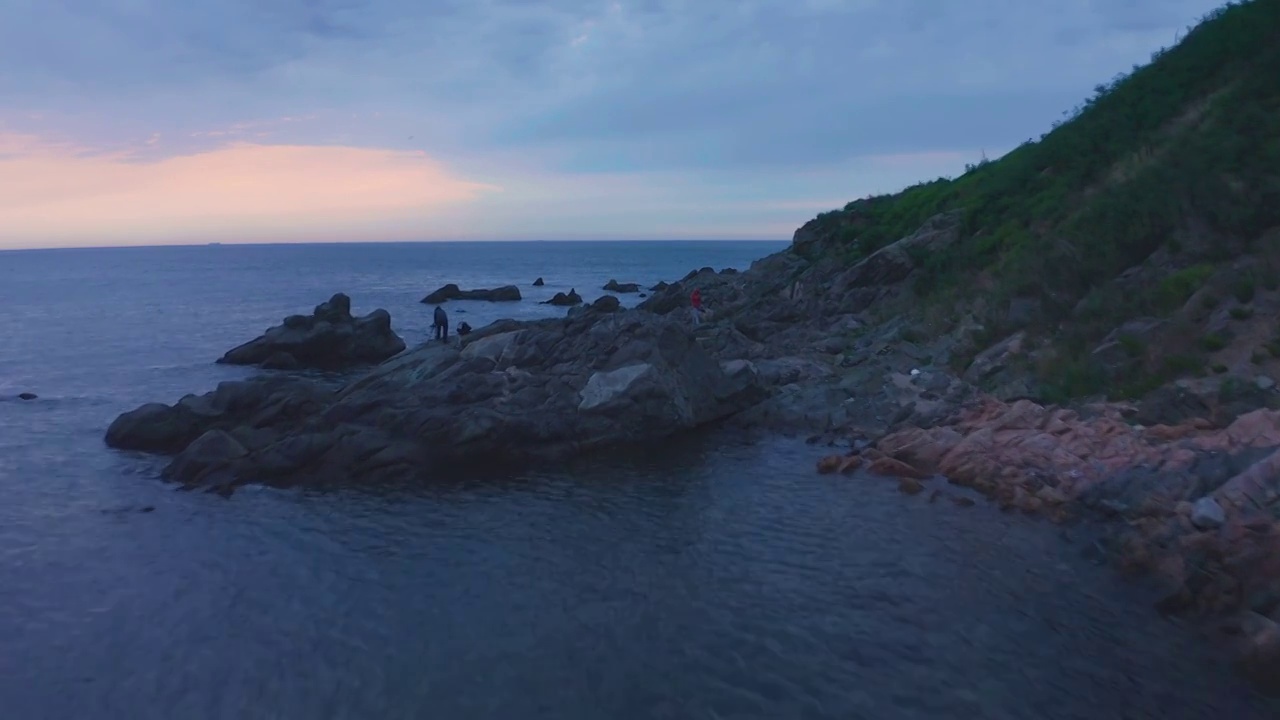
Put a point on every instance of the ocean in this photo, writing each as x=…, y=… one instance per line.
x=723, y=578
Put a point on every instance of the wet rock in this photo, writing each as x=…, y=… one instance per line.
x=511, y=392
x=538, y=283
x=330, y=338
x=602, y=304
x=256, y=404
x=615, y=286
x=506, y=293
x=212, y=450
x=1207, y=514
x=910, y=486
x=565, y=299
x=280, y=360
x=889, y=467
x=27, y=396
x=839, y=464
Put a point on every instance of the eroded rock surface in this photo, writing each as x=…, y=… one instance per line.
x=329, y=339
x=509, y=392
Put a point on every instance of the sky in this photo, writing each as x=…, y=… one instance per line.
x=135, y=122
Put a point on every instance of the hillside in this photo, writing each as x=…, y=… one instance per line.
x=1134, y=243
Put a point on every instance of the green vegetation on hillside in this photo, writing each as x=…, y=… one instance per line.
x=1181, y=154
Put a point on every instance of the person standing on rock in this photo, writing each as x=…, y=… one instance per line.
x=695, y=301
x=441, y=324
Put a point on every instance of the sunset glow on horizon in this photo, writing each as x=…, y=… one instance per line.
x=391, y=120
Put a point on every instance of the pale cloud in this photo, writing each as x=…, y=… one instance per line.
x=52, y=193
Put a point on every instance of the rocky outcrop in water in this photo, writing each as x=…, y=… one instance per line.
x=1200, y=503
x=254, y=410
x=506, y=293
x=538, y=283
x=329, y=339
x=615, y=286
x=509, y=392
x=565, y=299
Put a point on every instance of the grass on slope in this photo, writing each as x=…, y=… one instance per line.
x=1187, y=144
x=1036, y=198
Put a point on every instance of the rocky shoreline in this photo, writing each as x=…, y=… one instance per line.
x=1187, y=480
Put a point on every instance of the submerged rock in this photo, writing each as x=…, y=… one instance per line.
x=330, y=339
x=27, y=396
x=510, y=392
x=506, y=293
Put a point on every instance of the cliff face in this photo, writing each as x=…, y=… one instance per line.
x=1134, y=244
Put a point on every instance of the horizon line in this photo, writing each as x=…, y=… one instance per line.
x=279, y=243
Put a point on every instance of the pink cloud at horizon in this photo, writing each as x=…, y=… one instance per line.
x=54, y=194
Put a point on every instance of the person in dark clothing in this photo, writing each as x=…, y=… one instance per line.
x=441, y=324
x=695, y=301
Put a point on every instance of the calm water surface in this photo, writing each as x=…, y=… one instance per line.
x=719, y=578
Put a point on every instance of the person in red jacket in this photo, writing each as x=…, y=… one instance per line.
x=696, y=301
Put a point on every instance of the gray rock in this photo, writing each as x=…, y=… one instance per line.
x=565, y=299
x=506, y=293
x=1264, y=383
x=893, y=263
x=211, y=451
x=259, y=404
x=602, y=304
x=538, y=283
x=330, y=338
x=1171, y=405
x=604, y=389
x=615, y=286
x=27, y=396
x=510, y=392
x=995, y=359
x=1207, y=514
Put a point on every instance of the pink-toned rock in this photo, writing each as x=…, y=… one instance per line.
x=1051, y=496
x=889, y=467
x=839, y=464
x=830, y=463
x=922, y=449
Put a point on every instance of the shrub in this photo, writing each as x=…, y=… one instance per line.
x=1174, y=290
x=1133, y=346
x=1244, y=288
x=1213, y=342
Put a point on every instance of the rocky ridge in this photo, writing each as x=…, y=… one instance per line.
x=328, y=339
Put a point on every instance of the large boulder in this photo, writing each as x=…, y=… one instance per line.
x=513, y=391
x=506, y=293
x=329, y=339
